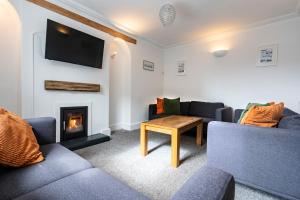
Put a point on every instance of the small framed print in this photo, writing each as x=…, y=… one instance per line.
x=181, y=68
x=147, y=65
x=267, y=55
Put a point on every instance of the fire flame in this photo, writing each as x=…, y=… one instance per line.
x=73, y=124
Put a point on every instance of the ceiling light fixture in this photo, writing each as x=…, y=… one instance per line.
x=167, y=14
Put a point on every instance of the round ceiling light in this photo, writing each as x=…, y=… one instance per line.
x=167, y=14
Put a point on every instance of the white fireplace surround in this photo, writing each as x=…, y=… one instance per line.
x=59, y=105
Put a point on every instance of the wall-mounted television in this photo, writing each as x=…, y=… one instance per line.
x=72, y=46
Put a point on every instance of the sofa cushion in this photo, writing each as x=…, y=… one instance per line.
x=159, y=116
x=290, y=122
x=160, y=106
x=204, y=109
x=18, y=144
x=89, y=184
x=264, y=116
x=172, y=106
x=250, y=105
x=207, y=120
x=184, y=108
x=59, y=162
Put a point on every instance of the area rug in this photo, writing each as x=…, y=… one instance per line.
x=152, y=175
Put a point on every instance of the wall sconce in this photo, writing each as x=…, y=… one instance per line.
x=220, y=53
x=113, y=55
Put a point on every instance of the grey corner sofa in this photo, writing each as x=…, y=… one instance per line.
x=264, y=158
x=66, y=176
x=208, y=111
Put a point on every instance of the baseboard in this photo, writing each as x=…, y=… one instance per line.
x=135, y=126
x=125, y=126
x=116, y=127
x=106, y=131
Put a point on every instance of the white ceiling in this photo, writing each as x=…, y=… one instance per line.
x=195, y=18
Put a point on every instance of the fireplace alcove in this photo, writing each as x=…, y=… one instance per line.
x=74, y=129
x=73, y=122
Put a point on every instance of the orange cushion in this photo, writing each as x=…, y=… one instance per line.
x=18, y=145
x=264, y=116
x=160, y=106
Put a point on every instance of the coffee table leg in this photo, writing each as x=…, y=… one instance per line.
x=199, y=137
x=175, y=145
x=144, y=140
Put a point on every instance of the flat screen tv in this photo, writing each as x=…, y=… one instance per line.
x=72, y=46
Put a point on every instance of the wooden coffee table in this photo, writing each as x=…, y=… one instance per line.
x=173, y=125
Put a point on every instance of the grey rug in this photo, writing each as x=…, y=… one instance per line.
x=153, y=175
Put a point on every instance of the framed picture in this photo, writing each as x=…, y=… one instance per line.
x=147, y=65
x=267, y=55
x=181, y=68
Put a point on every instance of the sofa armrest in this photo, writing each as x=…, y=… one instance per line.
x=224, y=114
x=265, y=158
x=152, y=111
x=207, y=183
x=44, y=129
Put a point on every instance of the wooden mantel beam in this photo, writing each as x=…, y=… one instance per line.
x=84, y=20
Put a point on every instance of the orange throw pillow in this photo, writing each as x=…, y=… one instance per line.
x=18, y=145
x=264, y=116
x=160, y=106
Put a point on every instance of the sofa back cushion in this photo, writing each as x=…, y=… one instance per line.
x=185, y=108
x=289, y=112
x=290, y=122
x=237, y=115
x=3, y=170
x=204, y=109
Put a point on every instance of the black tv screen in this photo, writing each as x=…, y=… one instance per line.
x=69, y=45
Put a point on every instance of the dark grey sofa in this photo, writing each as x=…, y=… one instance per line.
x=66, y=176
x=206, y=110
x=263, y=158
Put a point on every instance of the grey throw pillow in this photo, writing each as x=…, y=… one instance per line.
x=290, y=122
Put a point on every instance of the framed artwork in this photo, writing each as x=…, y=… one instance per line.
x=147, y=65
x=181, y=68
x=267, y=55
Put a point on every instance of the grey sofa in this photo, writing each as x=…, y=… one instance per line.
x=63, y=174
x=66, y=176
x=263, y=158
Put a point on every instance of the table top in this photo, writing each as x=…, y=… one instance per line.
x=174, y=121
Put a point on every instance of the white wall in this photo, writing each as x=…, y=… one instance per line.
x=10, y=45
x=120, y=85
x=235, y=79
x=146, y=85
x=132, y=88
x=126, y=89
x=36, y=101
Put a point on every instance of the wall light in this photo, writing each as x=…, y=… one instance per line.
x=113, y=55
x=220, y=53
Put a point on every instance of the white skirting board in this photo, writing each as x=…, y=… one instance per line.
x=127, y=127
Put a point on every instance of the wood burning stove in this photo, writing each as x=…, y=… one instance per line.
x=74, y=122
